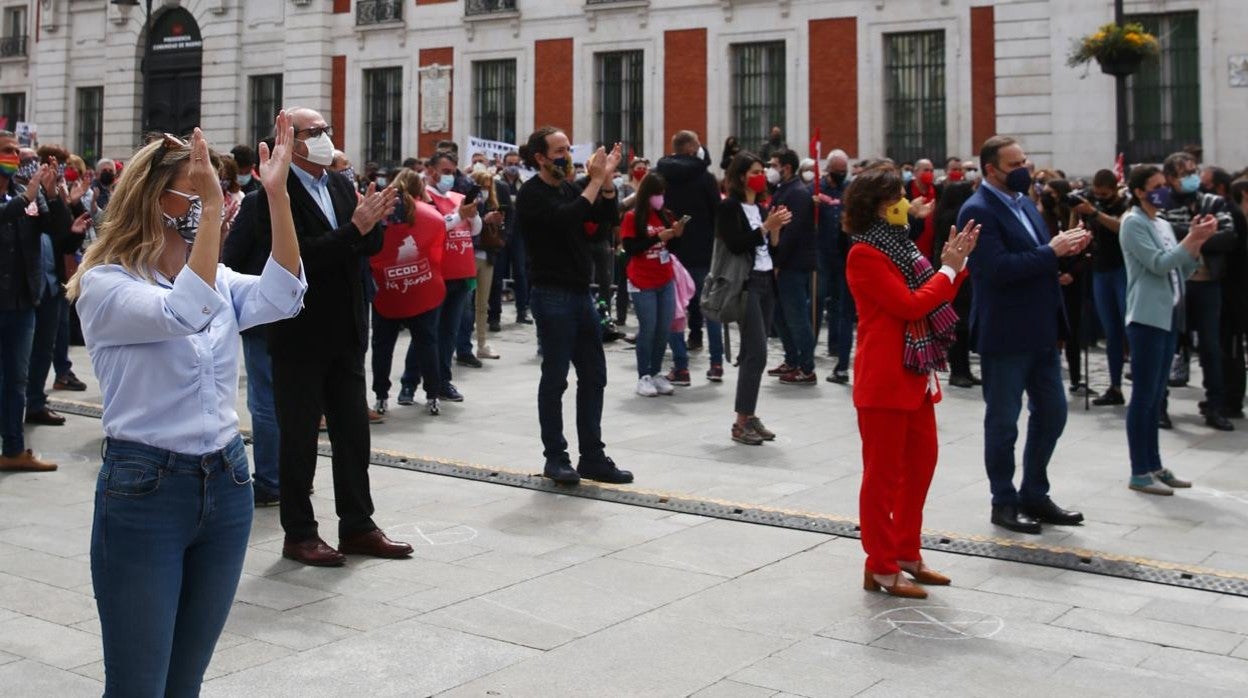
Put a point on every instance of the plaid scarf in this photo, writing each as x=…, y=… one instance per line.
x=927, y=340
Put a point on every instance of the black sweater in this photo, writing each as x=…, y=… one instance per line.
x=558, y=225
x=799, y=244
x=734, y=229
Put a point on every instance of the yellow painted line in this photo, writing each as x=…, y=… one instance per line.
x=821, y=516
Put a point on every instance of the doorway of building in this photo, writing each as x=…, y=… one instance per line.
x=175, y=72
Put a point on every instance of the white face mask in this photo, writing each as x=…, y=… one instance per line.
x=773, y=175
x=320, y=150
x=808, y=176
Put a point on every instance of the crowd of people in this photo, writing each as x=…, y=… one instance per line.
x=165, y=259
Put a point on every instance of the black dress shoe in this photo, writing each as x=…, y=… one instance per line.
x=1050, y=513
x=959, y=381
x=49, y=418
x=524, y=320
x=1008, y=516
x=468, y=360
x=1216, y=421
x=1163, y=422
x=495, y=326
x=604, y=471
x=561, y=472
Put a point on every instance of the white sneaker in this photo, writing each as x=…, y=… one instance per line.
x=645, y=387
x=662, y=385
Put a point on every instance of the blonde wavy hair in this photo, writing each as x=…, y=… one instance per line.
x=132, y=233
x=411, y=186
x=486, y=181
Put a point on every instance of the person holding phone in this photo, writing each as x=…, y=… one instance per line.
x=644, y=234
x=173, y=501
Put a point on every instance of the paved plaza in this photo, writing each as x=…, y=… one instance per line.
x=515, y=592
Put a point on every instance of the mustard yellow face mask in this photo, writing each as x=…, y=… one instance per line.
x=898, y=213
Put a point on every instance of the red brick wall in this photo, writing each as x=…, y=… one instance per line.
x=552, y=86
x=833, y=84
x=428, y=141
x=341, y=6
x=983, y=75
x=684, y=84
x=338, y=100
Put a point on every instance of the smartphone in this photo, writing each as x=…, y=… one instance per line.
x=684, y=220
x=1075, y=200
x=473, y=194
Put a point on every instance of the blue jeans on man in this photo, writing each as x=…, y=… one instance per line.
x=1007, y=377
x=458, y=293
x=17, y=333
x=570, y=334
x=167, y=546
x=1109, y=291
x=714, y=330
x=264, y=431
x=510, y=262
x=793, y=321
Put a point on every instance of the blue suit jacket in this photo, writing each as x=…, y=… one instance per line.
x=1017, y=300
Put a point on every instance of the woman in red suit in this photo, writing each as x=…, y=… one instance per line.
x=905, y=327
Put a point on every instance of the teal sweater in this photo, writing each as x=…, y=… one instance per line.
x=1150, y=300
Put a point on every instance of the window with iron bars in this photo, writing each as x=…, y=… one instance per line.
x=1163, y=98
x=383, y=116
x=378, y=11
x=914, y=96
x=266, y=100
x=90, y=123
x=758, y=91
x=485, y=7
x=494, y=100
x=619, y=84
x=12, y=109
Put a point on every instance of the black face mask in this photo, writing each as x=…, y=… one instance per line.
x=838, y=177
x=106, y=177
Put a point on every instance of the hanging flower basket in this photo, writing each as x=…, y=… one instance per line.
x=1118, y=49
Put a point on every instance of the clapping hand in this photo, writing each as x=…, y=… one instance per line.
x=275, y=164
x=1070, y=242
x=81, y=187
x=922, y=208
x=80, y=224
x=777, y=219
x=960, y=245
x=1203, y=227
x=374, y=206
x=613, y=161
x=203, y=175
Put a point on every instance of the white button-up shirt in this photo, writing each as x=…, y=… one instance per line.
x=166, y=354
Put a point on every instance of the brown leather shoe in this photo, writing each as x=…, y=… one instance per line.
x=25, y=462
x=374, y=543
x=45, y=417
x=923, y=574
x=314, y=552
x=375, y=417
x=900, y=587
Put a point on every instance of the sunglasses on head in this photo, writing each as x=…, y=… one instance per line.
x=168, y=142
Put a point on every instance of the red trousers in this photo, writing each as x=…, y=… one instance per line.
x=898, y=458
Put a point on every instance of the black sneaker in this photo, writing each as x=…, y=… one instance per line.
x=839, y=377
x=1112, y=396
x=264, y=498
x=495, y=326
x=1163, y=422
x=450, y=394
x=604, y=471
x=468, y=360
x=407, y=396
x=561, y=472
x=524, y=320
x=694, y=343
x=1219, y=422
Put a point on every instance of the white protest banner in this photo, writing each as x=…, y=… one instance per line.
x=582, y=152
x=491, y=149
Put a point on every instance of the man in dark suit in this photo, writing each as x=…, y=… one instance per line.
x=318, y=356
x=1015, y=316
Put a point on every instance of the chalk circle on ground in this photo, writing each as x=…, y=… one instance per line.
x=432, y=533
x=942, y=622
x=63, y=458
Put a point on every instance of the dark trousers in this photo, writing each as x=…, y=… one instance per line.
x=622, y=297
x=847, y=318
x=1007, y=377
x=449, y=319
x=510, y=264
x=303, y=390
x=60, y=354
x=1072, y=339
x=1152, y=349
x=760, y=304
x=422, y=355
x=1233, y=369
x=42, y=346
x=828, y=299
x=17, y=331
x=793, y=320
x=714, y=330
x=1204, y=321
x=1109, y=290
x=569, y=332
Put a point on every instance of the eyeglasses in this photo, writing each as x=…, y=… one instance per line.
x=315, y=132
x=168, y=142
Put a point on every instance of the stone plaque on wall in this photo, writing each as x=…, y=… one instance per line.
x=435, y=98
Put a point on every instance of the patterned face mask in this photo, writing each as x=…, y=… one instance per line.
x=187, y=224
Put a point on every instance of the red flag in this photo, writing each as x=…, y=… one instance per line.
x=1120, y=168
x=816, y=154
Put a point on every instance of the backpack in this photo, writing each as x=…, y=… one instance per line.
x=723, y=293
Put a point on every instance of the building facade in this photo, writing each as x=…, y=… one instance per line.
x=904, y=78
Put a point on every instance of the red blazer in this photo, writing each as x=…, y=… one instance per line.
x=885, y=304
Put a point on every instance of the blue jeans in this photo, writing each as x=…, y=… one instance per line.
x=828, y=302
x=714, y=330
x=47, y=322
x=463, y=336
x=569, y=332
x=17, y=332
x=793, y=320
x=1152, y=350
x=1204, y=320
x=60, y=355
x=264, y=431
x=1006, y=378
x=655, y=309
x=422, y=354
x=167, y=546
x=1109, y=291
x=449, y=319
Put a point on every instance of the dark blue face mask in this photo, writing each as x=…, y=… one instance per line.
x=1019, y=180
x=1160, y=198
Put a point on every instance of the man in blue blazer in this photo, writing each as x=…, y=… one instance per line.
x=1014, y=317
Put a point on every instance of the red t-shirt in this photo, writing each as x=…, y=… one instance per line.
x=460, y=261
x=408, y=270
x=652, y=268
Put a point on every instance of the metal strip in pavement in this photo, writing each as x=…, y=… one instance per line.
x=1078, y=559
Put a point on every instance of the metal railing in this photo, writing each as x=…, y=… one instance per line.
x=378, y=11
x=485, y=7
x=12, y=46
